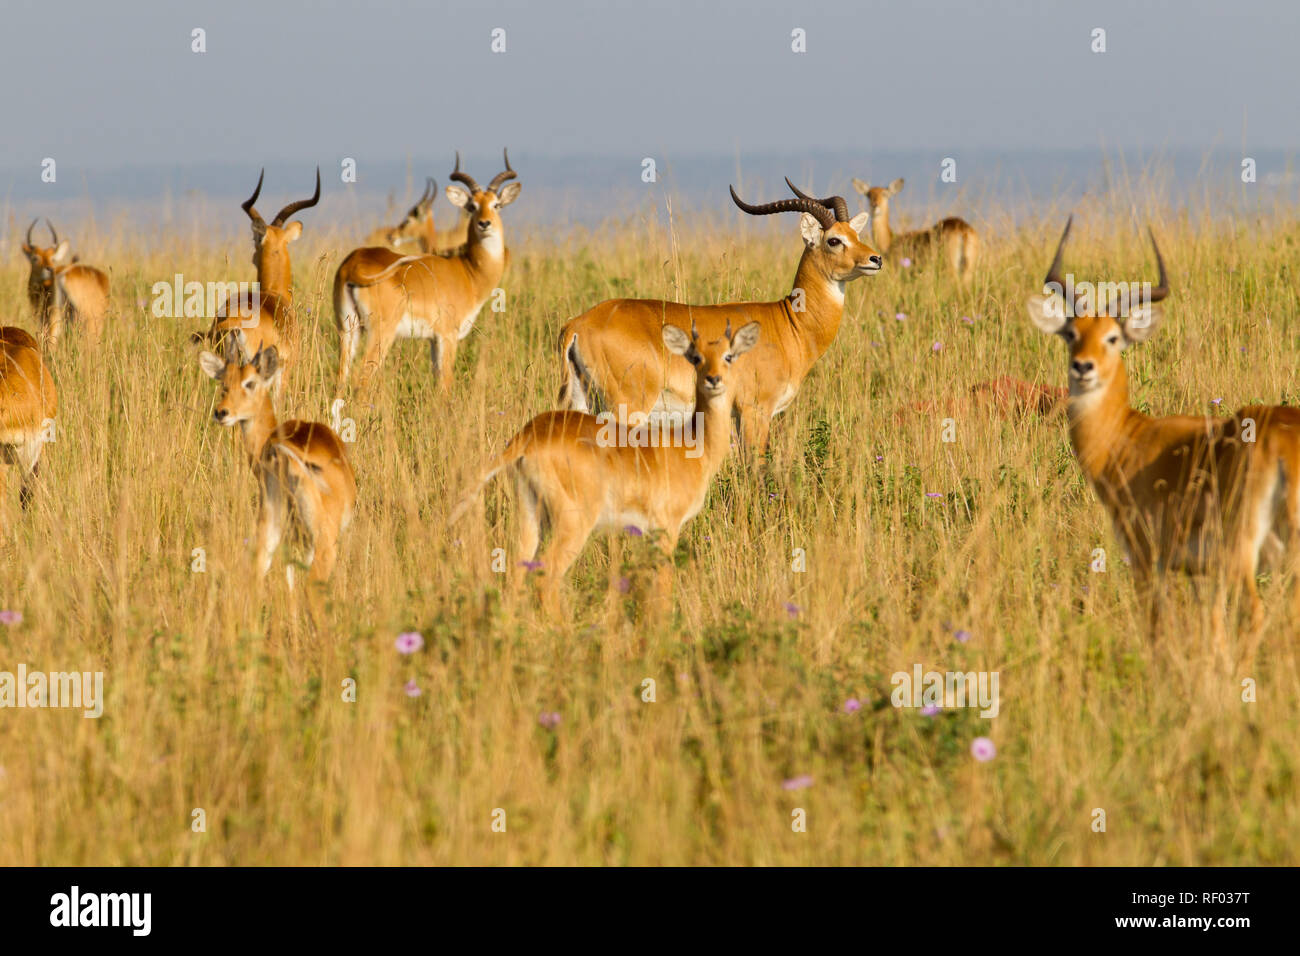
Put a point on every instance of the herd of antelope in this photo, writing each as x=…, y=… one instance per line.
x=1185, y=493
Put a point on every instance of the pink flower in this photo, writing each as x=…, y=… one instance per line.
x=408, y=642
x=531, y=565
x=792, y=609
x=962, y=636
x=633, y=530
x=900, y=316
x=797, y=783
x=968, y=320
x=929, y=710
x=852, y=705
x=905, y=262
x=549, y=719
x=624, y=585
x=11, y=617
x=982, y=749
x=936, y=347
x=412, y=688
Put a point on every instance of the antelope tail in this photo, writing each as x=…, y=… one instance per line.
x=507, y=458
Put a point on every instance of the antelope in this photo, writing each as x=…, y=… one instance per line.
x=28, y=403
x=387, y=296
x=419, y=230
x=267, y=318
x=301, y=467
x=60, y=288
x=1184, y=493
x=955, y=238
x=571, y=474
x=612, y=354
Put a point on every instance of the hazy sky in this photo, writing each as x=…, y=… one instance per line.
x=100, y=84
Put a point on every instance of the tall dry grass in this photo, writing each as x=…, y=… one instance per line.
x=223, y=696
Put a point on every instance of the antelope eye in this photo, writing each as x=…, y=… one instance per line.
x=248, y=384
x=1112, y=339
x=728, y=358
x=834, y=241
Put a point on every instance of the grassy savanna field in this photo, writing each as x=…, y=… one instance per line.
x=226, y=696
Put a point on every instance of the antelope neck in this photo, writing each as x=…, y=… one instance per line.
x=258, y=429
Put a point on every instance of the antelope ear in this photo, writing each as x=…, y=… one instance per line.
x=1142, y=322
x=861, y=186
x=676, y=341
x=61, y=252
x=810, y=229
x=213, y=365
x=1047, y=312
x=292, y=231
x=745, y=339
x=457, y=195
x=509, y=193
x=859, y=222
x=267, y=361
x=896, y=186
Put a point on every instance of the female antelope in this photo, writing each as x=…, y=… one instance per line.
x=955, y=238
x=28, y=405
x=570, y=471
x=298, y=463
x=1186, y=492
x=61, y=289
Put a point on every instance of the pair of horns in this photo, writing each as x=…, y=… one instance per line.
x=826, y=211
x=287, y=211
x=53, y=234
x=497, y=180
x=1054, y=273
x=430, y=190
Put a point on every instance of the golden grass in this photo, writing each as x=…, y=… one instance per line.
x=222, y=696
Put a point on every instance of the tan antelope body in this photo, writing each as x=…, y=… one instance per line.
x=61, y=289
x=28, y=401
x=571, y=472
x=267, y=319
x=1187, y=492
x=955, y=239
x=302, y=468
x=382, y=296
x=613, y=354
x=419, y=233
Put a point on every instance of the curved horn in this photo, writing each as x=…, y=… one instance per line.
x=500, y=178
x=54, y=234
x=836, y=203
x=465, y=178
x=1054, y=273
x=30, y=228
x=815, y=209
x=301, y=204
x=1162, y=290
x=430, y=189
x=247, y=205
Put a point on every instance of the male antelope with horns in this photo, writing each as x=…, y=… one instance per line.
x=1184, y=493
x=613, y=354
x=418, y=231
x=384, y=296
x=61, y=289
x=267, y=318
